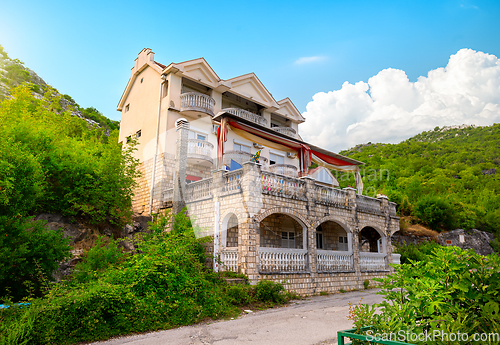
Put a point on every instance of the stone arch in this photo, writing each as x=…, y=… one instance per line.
x=331, y=219
x=373, y=241
x=283, y=210
x=337, y=236
x=229, y=230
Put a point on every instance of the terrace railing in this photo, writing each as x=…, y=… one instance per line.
x=334, y=261
x=372, y=261
x=280, y=260
x=247, y=115
x=195, y=101
x=229, y=259
x=282, y=186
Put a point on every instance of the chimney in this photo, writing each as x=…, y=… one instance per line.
x=182, y=129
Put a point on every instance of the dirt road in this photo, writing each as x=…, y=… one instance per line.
x=314, y=320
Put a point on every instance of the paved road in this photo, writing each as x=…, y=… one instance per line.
x=314, y=320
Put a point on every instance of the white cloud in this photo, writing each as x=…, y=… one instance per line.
x=390, y=108
x=308, y=59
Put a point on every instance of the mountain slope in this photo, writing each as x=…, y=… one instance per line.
x=445, y=178
x=13, y=73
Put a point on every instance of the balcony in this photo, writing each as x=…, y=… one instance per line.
x=194, y=102
x=247, y=115
x=241, y=157
x=288, y=131
x=284, y=169
x=200, y=152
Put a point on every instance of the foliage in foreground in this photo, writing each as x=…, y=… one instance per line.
x=29, y=253
x=415, y=252
x=163, y=285
x=454, y=290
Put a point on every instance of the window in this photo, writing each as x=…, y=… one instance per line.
x=287, y=239
x=319, y=238
x=138, y=134
x=324, y=177
x=191, y=178
x=197, y=135
x=129, y=138
x=275, y=159
x=343, y=245
x=239, y=147
x=127, y=108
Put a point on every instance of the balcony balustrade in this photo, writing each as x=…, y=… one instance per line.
x=200, y=152
x=282, y=260
x=229, y=259
x=288, y=131
x=247, y=115
x=197, y=102
x=334, y=261
x=373, y=261
x=284, y=169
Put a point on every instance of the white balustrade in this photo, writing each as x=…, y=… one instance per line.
x=247, y=115
x=200, y=149
x=232, y=181
x=282, y=260
x=333, y=261
x=282, y=186
x=370, y=205
x=372, y=261
x=396, y=259
x=201, y=189
x=195, y=101
x=284, y=169
x=229, y=259
x=289, y=131
x=331, y=196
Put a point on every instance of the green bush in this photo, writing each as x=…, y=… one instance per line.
x=29, y=253
x=102, y=255
x=415, y=252
x=240, y=294
x=453, y=290
x=268, y=291
x=434, y=211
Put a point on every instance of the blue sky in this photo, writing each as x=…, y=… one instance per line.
x=297, y=48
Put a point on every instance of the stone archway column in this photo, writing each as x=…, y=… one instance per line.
x=310, y=238
x=354, y=224
x=250, y=237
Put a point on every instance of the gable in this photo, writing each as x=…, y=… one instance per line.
x=288, y=109
x=249, y=86
x=200, y=71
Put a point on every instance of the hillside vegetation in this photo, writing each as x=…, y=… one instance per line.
x=14, y=73
x=445, y=178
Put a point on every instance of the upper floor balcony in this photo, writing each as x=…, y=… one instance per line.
x=288, y=131
x=284, y=169
x=192, y=102
x=200, y=152
x=247, y=115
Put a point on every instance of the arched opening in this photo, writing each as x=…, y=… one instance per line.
x=332, y=236
x=281, y=231
x=229, y=243
x=232, y=231
x=283, y=244
x=370, y=241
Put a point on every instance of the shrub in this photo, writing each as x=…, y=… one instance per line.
x=415, y=252
x=240, y=294
x=29, y=253
x=366, y=283
x=434, y=211
x=269, y=291
x=453, y=290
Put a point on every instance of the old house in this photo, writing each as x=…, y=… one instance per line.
x=276, y=219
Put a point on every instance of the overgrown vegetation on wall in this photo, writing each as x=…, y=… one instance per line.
x=162, y=285
x=446, y=178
